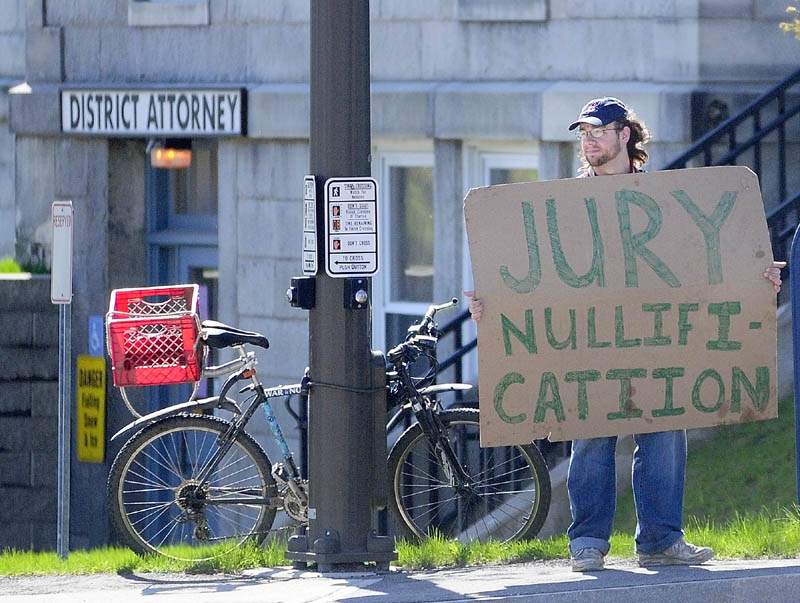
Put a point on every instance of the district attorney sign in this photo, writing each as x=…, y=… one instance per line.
x=143, y=112
x=622, y=304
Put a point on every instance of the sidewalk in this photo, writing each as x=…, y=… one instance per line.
x=745, y=581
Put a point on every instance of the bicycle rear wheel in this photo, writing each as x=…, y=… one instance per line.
x=158, y=504
x=507, y=497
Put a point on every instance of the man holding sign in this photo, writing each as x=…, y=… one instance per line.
x=626, y=254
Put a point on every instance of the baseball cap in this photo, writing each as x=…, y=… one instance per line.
x=600, y=112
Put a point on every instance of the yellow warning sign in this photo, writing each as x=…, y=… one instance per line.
x=91, y=416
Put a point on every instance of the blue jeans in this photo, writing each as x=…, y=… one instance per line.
x=659, y=469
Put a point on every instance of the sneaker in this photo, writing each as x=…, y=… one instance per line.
x=680, y=553
x=587, y=560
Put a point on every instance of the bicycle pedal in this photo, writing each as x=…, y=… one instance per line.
x=280, y=473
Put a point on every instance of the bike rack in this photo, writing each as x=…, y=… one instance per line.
x=794, y=289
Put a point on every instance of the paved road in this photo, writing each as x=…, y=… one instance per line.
x=729, y=581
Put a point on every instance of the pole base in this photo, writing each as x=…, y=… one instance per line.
x=326, y=553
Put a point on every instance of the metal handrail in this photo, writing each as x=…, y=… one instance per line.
x=728, y=126
x=780, y=220
x=454, y=326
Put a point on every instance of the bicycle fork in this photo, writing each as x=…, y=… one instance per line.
x=434, y=430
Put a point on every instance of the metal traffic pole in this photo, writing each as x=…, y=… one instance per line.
x=347, y=407
x=61, y=294
x=794, y=293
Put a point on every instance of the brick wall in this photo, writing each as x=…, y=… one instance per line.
x=28, y=414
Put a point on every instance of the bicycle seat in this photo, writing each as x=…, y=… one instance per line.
x=219, y=335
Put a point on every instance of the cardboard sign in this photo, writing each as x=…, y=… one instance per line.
x=622, y=304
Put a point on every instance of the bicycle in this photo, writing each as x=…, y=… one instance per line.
x=442, y=481
x=193, y=486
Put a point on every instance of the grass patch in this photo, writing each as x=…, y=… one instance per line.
x=119, y=560
x=740, y=500
x=745, y=536
x=746, y=470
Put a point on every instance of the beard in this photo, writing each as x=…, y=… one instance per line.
x=605, y=156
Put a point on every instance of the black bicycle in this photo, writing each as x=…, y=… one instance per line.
x=193, y=486
x=442, y=481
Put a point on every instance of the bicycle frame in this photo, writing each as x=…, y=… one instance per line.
x=433, y=429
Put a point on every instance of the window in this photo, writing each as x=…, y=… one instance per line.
x=187, y=198
x=498, y=175
x=411, y=272
x=405, y=286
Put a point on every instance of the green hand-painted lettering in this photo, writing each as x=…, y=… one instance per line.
x=668, y=374
x=759, y=394
x=528, y=338
x=548, y=383
x=697, y=402
x=710, y=227
x=534, y=276
x=592, y=330
x=684, y=326
x=581, y=378
x=499, y=392
x=627, y=409
x=658, y=337
x=572, y=338
x=723, y=311
x=619, y=331
x=634, y=244
x=564, y=270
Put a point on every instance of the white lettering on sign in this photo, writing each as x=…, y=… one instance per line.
x=351, y=226
x=148, y=112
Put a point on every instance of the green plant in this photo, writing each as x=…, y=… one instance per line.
x=9, y=266
x=791, y=26
x=38, y=267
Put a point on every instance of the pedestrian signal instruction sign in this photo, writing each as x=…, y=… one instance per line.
x=351, y=227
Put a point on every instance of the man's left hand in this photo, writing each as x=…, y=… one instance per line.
x=773, y=274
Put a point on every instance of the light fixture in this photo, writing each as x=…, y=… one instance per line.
x=170, y=153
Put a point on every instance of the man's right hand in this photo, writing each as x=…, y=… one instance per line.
x=475, y=306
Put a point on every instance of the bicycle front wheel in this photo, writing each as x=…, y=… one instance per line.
x=506, y=497
x=160, y=504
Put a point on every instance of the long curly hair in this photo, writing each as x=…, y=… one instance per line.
x=640, y=136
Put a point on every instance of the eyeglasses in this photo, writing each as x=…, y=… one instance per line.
x=594, y=132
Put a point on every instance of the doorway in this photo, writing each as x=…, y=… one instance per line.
x=182, y=242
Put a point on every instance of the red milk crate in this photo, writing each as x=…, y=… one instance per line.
x=153, y=335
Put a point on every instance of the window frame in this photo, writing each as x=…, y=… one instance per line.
x=480, y=158
x=405, y=154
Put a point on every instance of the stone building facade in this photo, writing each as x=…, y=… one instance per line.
x=464, y=93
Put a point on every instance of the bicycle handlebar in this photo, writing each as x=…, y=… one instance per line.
x=427, y=320
x=433, y=309
x=421, y=335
